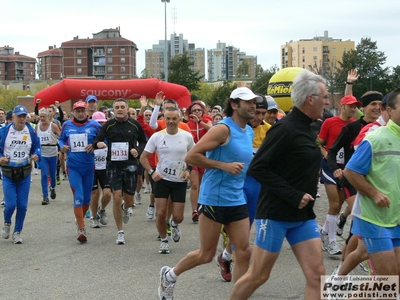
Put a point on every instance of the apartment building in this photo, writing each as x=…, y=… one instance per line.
x=320, y=53
x=176, y=45
x=223, y=62
x=105, y=56
x=50, y=64
x=15, y=66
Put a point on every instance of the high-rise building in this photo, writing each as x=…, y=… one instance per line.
x=14, y=66
x=320, y=53
x=105, y=56
x=223, y=63
x=176, y=45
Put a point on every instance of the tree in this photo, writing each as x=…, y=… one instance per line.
x=368, y=61
x=259, y=70
x=222, y=93
x=9, y=97
x=180, y=72
x=261, y=84
x=243, y=69
x=204, y=93
x=143, y=74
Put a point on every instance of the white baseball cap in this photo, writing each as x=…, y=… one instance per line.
x=244, y=93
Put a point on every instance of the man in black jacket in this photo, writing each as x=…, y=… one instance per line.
x=287, y=167
x=126, y=141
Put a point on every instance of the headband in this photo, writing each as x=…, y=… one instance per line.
x=369, y=98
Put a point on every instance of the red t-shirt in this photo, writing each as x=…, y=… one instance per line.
x=331, y=129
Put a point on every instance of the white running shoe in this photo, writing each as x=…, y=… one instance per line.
x=324, y=239
x=17, y=238
x=334, y=249
x=150, y=212
x=147, y=189
x=138, y=198
x=176, y=233
x=5, y=232
x=125, y=215
x=94, y=222
x=120, y=239
x=130, y=211
x=103, y=216
x=164, y=248
x=166, y=288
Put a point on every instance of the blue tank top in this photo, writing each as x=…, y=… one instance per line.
x=219, y=188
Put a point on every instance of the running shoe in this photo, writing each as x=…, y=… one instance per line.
x=168, y=228
x=103, y=216
x=64, y=177
x=364, y=266
x=225, y=268
x=150, y=212
x=58, y=180
x=176, y=233
x=164, y=248
x=87, y=215
x=138, y=198
x=82, y=238
x=94, y=222
x=130, y=211
x=5, y=231
x=45, y=201
x=2, y=203
x=340, y=224
x=166, y=288
x=324, y=239
x=17, y=238
x=120, y=239
x=147, y=189
x=225, y=238
x=125, y=215
x=53, y=193
x=195, y=216
x=334, y=249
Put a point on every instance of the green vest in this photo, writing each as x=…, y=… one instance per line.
x=384, y=175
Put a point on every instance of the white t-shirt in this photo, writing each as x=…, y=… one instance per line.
x=171, y=151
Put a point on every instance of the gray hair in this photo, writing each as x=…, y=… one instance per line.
x=44, y=111
x=305, y=84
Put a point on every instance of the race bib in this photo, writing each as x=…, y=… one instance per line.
x=172, y=170
x=119, y=151
x=340, y=156
x=78, y=142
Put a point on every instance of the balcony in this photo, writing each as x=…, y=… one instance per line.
x=101, y=72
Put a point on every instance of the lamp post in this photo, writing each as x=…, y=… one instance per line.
x=370, y=74
x=165, y=44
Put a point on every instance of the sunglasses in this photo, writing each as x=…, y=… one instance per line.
x=147, y=115
x=196, y=110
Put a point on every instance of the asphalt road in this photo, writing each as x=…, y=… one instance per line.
x=52, y=264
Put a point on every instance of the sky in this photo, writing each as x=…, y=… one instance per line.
x=257, y=27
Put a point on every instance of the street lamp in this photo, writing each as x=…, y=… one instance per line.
x=370, y=74
x=165, y=44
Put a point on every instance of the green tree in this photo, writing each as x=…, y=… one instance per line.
x=204, y=93
x=9, y=97
x=143, y=74
x=259, y=70
x=222, y=93
x=243, y=69
x=180, y=72
x=261, y=84
x=369, y=62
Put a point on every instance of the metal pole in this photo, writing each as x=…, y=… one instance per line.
x=166, y=45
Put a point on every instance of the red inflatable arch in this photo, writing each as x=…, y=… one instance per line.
x=73, y=89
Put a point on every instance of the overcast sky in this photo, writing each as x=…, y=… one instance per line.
x=257, y=27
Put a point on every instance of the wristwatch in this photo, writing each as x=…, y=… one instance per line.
x=151, y=171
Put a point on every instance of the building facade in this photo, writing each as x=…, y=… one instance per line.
x=16, y=67
x=50, y=64
x=176, y=45
x=321, y=53
x=105, y=56
x=224, y=61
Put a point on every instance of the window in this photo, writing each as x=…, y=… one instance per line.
x=304, y=59
x=344, y=49
x=78, y=52
x=122, y=50
x=314, y=58
x=122, y=60
x=79, y=70
x=304, y=50
x=109, y=50
x=122, y=69
x=109, y=69
x=314, y=49
x=334, y=49
x=109, y=59
x=79, y=61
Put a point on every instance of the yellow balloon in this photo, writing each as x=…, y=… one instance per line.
x=280, y=87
